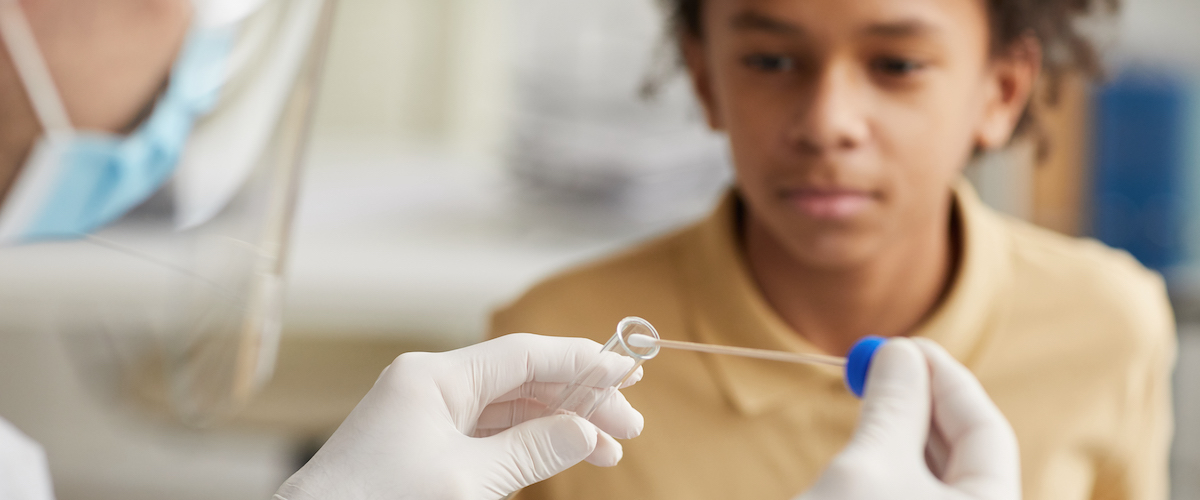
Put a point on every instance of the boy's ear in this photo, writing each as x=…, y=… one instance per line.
x=1012, y=77
x=695, y=55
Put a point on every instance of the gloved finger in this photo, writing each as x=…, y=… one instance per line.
x=499, y=416
x=524, y=403
x=607, y=453
x=895, y=411
x=614, y=415
x=541, y=391
x=633, y=378
x=539, y=448
x=501, y=365
x=548, y=391
x=617, y=417
x=984, y=458
x=937, y=452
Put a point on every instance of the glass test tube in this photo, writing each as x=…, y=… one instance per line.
x=587, y=392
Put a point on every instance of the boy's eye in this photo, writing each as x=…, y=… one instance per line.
x=894, y=66
x=769, y=62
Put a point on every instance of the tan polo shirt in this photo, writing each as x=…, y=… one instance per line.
x=1073, y=340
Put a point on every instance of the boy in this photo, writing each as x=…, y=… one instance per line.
x=850, y=122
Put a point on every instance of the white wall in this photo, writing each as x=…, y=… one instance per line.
x=420, y=73
x=1161, y=31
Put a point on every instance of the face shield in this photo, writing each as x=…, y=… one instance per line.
x=159, y=254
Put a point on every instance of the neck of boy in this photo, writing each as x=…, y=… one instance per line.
x=888, y=294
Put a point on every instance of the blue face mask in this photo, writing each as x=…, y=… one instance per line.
x=75, y=182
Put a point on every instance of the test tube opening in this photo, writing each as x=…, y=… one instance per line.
x=587, y=392
x=634, y=325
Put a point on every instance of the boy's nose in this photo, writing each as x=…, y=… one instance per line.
x=831, y=115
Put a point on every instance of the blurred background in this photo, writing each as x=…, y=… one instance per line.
x=464, y=149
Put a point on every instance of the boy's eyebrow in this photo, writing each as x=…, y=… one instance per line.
x=749, y=20
x=757, y=21
x=906, y=28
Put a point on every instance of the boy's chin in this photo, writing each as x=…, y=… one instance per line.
x=834, y=252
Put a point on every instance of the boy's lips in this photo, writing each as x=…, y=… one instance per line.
x=830, y=203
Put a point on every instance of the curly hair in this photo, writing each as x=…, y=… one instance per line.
x=1065, y=49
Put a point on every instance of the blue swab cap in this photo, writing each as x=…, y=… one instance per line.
x=858, y=363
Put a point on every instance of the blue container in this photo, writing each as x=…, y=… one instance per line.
x=1140, y=187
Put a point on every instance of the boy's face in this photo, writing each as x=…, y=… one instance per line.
x=850, y=120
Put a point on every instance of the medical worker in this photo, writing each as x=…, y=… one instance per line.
x=89, y=129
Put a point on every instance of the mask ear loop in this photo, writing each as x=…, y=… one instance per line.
x=31, y=69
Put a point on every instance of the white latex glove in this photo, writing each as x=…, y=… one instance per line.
x=886, y=457
x=24, y=474
x=411, y=435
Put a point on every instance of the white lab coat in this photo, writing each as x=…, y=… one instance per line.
x=24, y=474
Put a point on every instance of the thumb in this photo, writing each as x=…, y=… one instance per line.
x=984, y=458
x=896, y=405
x=543, y=447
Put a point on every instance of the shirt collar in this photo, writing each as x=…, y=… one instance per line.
x=728, y=307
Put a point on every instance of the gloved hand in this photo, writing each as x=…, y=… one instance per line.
x=411, y=435
x=886, y=457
